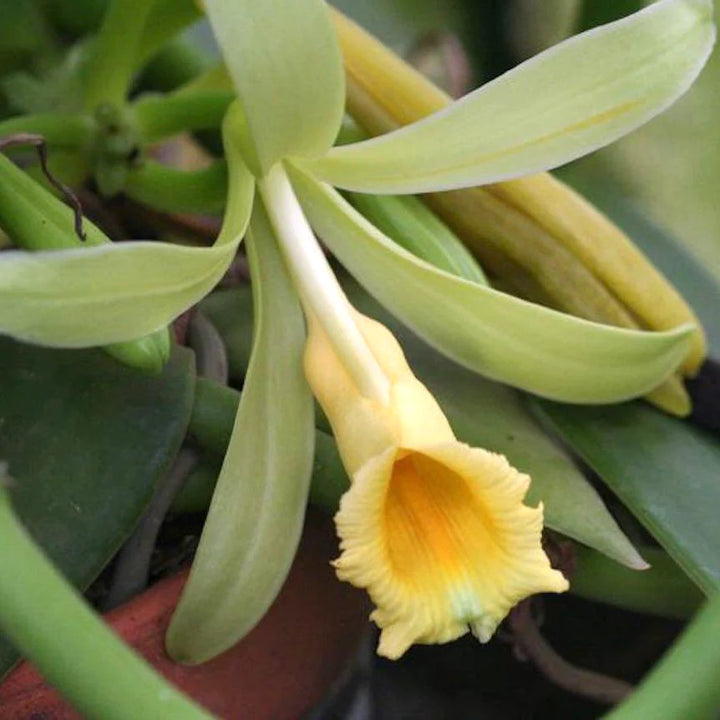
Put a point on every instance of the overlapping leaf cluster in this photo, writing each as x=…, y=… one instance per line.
x=285, y=64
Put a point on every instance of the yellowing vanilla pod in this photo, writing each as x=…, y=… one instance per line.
x=564, y=251
x=607, y=252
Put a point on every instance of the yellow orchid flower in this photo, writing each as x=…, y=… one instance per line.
x=434, y=529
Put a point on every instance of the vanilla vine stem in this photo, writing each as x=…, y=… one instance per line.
x=113, y=61
x=684, y=684
x=50, y=623
x=59, y=131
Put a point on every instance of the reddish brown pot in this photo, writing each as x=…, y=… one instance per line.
x=278, y=672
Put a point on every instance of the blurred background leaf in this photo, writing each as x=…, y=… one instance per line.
x=663, y=469
x=86, y=440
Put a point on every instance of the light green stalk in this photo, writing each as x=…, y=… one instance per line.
x=684, y=685
x=58, y=131
x=51, y=625
x=158, y=117
x=179, y=191
x=114, y=56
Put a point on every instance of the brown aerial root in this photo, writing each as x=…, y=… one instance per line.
x=530, y=644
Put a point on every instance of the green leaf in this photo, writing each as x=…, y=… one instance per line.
x=256, y=515
x=498, y=335
x=286, y=65
x=111, y=293
x=482, y=413
x=683, y=684
x=564, y=103
x=86, y=439
x=663, y=589
x=663, y=469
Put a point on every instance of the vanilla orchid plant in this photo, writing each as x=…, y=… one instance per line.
x=435, y=530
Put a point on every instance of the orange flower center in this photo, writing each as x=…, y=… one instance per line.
x=436, y=530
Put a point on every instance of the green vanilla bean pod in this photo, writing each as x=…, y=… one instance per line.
x=37, y=220
x=412, y=225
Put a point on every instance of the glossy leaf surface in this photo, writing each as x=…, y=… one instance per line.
x=663, y=469
x=86, y=439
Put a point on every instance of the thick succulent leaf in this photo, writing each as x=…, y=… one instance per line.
x=482, y=413
x=286, y=65
x=665, y=471
x=564, y=103
x=663, y=589
x=86, y=440
x=111, y=293
x=507, y=339
x=256, y=515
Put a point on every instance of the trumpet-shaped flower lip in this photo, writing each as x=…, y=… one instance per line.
x=441, y=540
x=435, y=530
